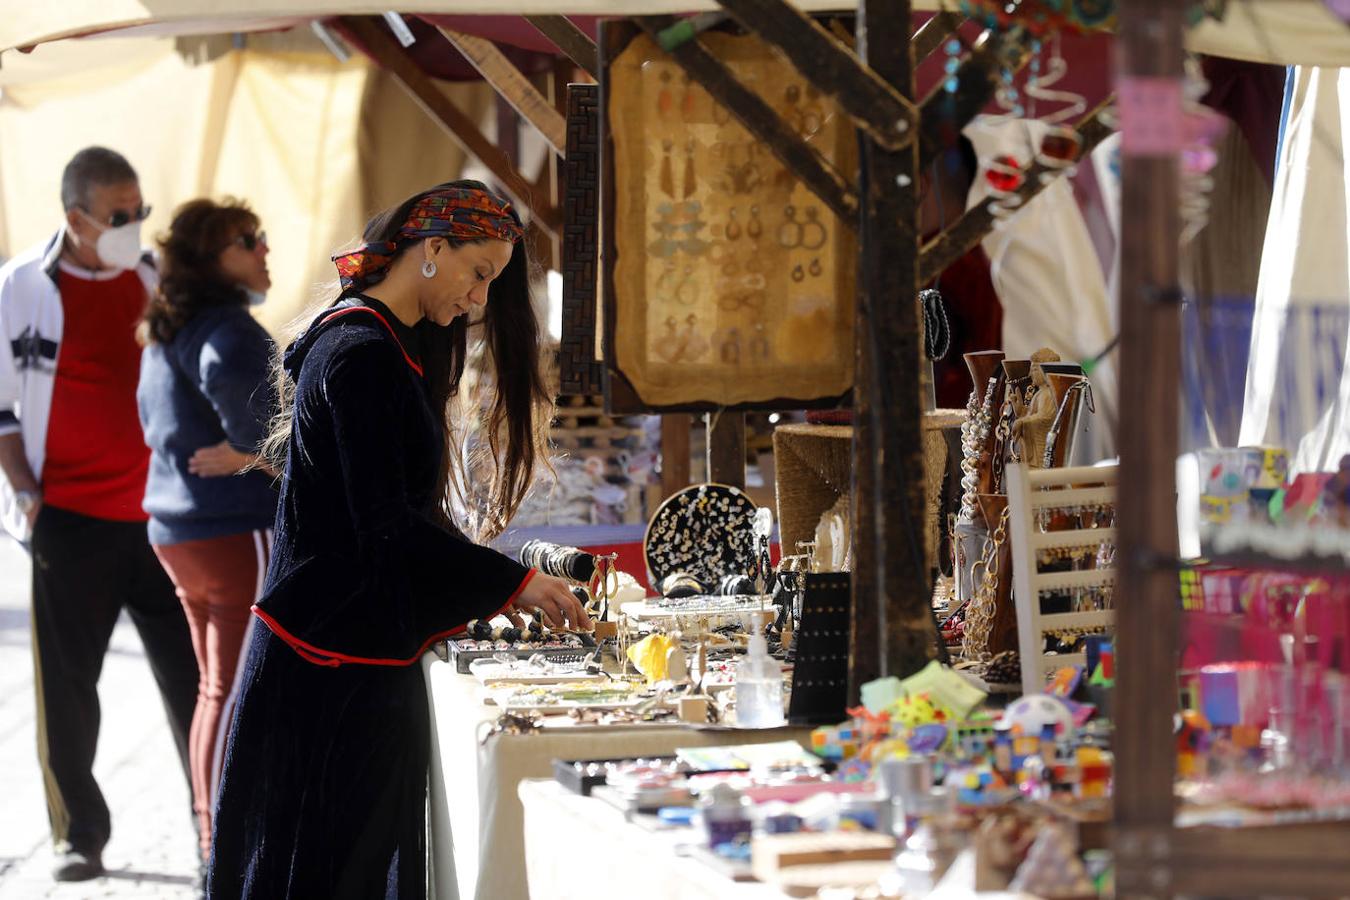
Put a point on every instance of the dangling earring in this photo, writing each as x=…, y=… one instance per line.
x=428, y=269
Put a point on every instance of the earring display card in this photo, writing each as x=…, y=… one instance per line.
x=729, y=282
x=820, y=672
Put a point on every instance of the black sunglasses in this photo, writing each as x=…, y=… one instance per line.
x=250, y=242
x=121, y=217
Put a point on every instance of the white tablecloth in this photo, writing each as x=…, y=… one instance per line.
x=584, y=850
x=473, y=788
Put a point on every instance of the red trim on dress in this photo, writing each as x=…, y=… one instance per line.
x=321, y=657
x=383, y=321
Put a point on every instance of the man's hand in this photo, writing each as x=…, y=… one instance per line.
x=217, y=460
x=554, y=598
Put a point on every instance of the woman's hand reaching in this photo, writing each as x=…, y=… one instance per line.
x=218, y=460
x=553, y=597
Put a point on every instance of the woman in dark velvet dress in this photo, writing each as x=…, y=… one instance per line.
x=323, y=791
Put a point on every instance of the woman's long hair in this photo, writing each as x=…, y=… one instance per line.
x=513, y=428
x=189, y=266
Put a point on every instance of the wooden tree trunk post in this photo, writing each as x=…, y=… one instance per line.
x=675, y=441
x=891, y=631
x=726, y=448
x=1149, y=87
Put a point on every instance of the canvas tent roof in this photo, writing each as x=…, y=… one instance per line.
x=1288, y=32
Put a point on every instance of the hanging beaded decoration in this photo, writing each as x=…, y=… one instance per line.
x=980, y=615
x=974, y=433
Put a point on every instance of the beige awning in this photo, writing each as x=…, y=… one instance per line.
x=1291, y=32
x=27, y=24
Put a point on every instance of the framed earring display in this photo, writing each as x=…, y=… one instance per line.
x=702, y=226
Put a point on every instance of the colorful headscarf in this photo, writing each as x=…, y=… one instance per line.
x=465, y=214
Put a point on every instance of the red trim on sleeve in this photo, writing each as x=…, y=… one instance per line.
x=321, y=657
x=383, y=321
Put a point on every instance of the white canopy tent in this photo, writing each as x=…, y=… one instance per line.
x=1299, y=32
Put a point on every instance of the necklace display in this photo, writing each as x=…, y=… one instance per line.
x=980, y=614
x=974, y=434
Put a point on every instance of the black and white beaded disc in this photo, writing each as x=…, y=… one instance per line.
x=706, y=530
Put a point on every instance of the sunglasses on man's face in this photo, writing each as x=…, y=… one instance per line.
x=251, y=242
x=120, y=217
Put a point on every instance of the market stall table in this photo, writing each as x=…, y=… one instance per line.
x=630, y=861
x=476, y=843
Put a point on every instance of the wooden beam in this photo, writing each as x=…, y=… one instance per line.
x=726, y=447
x=943, y=114
x=459, y=126
x=512, y=86
x=978, y=221
x=675, y=447
x=892, y=629
x=932, y=33
x=571, y=40
x=887, y=116
x=1149, y=59
x=579, y=368
x=760, y=120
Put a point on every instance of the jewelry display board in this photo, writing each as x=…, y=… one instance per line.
x=726, y=281
x=820, y=668
x=706, y=531
x=1059, y=518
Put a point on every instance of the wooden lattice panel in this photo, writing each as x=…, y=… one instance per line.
x=578, y=363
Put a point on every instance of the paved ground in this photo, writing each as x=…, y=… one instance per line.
x=152, y=853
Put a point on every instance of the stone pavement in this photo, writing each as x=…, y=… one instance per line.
x=152, y=852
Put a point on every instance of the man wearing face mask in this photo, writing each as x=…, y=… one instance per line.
x=75, y=463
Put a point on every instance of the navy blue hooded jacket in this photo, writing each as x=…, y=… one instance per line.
x=209, y=384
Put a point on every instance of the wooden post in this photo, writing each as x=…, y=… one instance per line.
x=460, y=127
x=675, y=452
x=726, y=447
x=512, y=86
x=892, y=631
x=1149, y=50
x=571, y=40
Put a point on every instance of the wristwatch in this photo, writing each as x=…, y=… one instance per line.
x=26, y=500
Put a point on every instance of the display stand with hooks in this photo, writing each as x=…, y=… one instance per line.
x=1034, y=495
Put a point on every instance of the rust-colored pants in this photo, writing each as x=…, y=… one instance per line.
x=218, y=579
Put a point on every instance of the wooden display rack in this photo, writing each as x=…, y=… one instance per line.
x=1032, y=490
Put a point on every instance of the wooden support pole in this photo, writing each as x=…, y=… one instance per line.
x=892, y=629
x=512, y=86
x=460, y=127
x=887, y=116
x=759, y=118
x=978, y=221
x=932, y=33
x=570, y=39
x=1149, y=54
x=726, y=447
x=675, y=447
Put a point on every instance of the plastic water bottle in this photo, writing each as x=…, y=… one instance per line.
x=759, y=687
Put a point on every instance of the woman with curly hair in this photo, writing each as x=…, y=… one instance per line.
x=205, y=402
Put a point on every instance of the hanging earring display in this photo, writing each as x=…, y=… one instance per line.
x=690, y=178
x=753, y=228
x=667, y=171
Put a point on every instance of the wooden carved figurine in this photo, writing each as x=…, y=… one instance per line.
x=1031, y=429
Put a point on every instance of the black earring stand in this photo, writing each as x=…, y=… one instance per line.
x=820, y=669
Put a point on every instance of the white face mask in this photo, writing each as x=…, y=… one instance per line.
x=120, y=248
x=255, y=298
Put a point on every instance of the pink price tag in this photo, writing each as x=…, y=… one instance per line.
x=1150, y=116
